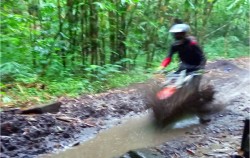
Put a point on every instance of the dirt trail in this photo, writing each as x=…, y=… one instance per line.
x=84, y=117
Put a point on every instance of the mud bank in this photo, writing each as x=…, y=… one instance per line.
x=79, y=119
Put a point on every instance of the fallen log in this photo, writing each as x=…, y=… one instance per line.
x=50, y=108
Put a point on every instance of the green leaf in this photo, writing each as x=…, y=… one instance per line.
x=127, y=60
x=189, y=4
x=6, y=99
x=100, y=5
x=64, y=36
x=233, y=4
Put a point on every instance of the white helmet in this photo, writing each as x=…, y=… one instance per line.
x=179, y=28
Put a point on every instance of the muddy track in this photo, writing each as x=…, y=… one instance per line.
x=80, y=119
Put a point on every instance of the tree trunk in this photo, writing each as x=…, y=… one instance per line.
x=93, y=32
x=74, y=31
x=206, y=14
x=60, y=31
x=121, y=34
x=83, y=36
x=112, y=37
x=196, y=20
x=102, y=52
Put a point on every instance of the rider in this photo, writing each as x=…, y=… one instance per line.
x=190, y=54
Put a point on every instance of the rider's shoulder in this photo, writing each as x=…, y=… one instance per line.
x=192, y=40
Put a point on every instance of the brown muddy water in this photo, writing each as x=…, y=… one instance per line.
x=134, y=133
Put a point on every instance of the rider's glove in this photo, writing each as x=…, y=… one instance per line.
x=160, y=69
x=166, y=62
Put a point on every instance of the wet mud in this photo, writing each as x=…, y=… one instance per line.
x=80, y=119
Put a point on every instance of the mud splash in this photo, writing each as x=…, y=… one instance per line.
x=139, y=132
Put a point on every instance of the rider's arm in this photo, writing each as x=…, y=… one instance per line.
x=168, y=59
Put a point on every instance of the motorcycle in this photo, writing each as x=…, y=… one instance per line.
x=177, y=81
x=173, y=93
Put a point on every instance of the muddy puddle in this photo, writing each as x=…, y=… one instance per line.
x=134, y=133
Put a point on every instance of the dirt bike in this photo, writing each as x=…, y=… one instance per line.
x=182, y=80
x=170, y=95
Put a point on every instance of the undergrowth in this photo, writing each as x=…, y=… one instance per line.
x=221, y=47
x=24, y=93
x=21, y=86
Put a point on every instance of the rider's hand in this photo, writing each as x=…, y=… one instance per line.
x=160, y=69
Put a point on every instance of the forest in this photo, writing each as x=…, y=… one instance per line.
x=55, y=48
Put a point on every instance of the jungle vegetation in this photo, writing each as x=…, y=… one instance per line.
x=55, y=48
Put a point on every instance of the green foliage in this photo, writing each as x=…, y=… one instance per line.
x=101, y=72
x=124, y=79
x=229, y=47
x=69, y=87
x=13, y=71
x=54, y=44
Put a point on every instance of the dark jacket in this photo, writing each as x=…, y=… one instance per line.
x=189, y=53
